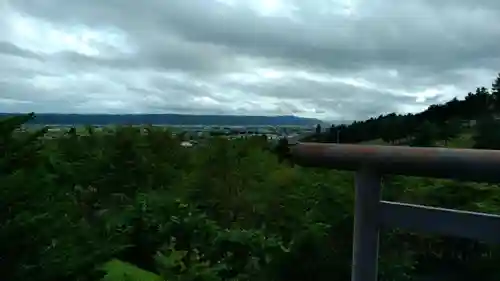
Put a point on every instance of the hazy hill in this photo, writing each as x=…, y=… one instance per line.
x=167, y=119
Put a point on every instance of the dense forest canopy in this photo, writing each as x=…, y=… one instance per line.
x=129, y=203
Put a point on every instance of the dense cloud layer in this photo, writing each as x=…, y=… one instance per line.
x=332, y=59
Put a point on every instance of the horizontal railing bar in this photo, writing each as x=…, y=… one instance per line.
x=463, y=164
x=479, y=226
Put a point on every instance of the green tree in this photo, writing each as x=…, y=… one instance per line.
x=392, y=128
x=495, y=91
x=426, y=135
x=487, y=133
x=318, y=129
x=334, y=134
x=282, y=149
x=449, y=129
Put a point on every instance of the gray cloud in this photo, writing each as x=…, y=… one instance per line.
x=9, y=49
x=328, y=59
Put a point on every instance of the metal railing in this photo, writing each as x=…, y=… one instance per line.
x=371, y=213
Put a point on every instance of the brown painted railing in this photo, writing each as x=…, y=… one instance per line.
x=371, y=213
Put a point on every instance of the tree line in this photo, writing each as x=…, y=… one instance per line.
x=437, y=122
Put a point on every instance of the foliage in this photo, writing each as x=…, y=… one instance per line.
x=425, y=135
x=104, y=204
x=487, y=134
x=318, y=129
x=449, y=130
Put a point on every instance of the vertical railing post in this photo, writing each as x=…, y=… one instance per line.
x=366, y=226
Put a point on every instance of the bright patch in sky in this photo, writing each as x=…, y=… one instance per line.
x=269, y=6
x=42, y=37
x=273, y=8
x=206, y=100
x=445, y=93
x=270, y=73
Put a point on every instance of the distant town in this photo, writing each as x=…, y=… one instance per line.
x=192, y=134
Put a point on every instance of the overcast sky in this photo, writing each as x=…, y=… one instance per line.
x=331, y=59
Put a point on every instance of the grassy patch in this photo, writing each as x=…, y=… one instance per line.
x=117, y=270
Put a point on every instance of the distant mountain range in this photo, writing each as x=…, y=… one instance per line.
x=167, y=119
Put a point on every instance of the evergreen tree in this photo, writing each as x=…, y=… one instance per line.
x=495, y=91
x=449, y=130
x=426, y=135
x=487, y=135
x=318, y=129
